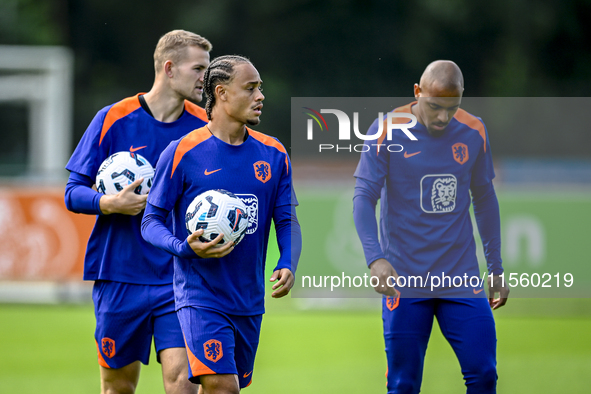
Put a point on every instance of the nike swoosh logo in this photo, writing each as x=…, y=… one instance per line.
x=407, y=155
x=211, y=172
x=246, y=374
x=476, y=292
x=132, y=149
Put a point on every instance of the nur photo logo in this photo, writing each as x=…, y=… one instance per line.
x=392, y=121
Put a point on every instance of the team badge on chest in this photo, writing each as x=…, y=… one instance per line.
x=438, y=193
x=262, y=171
x=460, y=152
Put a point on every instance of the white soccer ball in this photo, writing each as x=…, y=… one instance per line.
x=121, y=169
x=217, y=212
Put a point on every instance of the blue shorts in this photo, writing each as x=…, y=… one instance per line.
x=218, y=343
x=127, y=316
x=466, y=323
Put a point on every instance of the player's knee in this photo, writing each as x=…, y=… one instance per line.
x=179, y=383
x=219, y=387
x=120, y=381
x=175, y=372
x=118, y=387
x=174, y=375
x=482, y=380
x=404, y=386
x=221, y=390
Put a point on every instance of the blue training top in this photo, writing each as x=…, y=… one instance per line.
x=425, y=225
x=259, y=172
x=116, y=250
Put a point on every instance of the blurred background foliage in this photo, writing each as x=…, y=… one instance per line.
x=327, y=48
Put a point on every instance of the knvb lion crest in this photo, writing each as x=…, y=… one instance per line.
x=460, y=152
x=262, y=171
x=392, y=302
x=213, y=350
x=108, y=346
x=252, y=209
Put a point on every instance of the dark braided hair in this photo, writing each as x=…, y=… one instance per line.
x=220, y=71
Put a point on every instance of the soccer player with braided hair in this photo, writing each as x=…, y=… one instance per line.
x=219, y=290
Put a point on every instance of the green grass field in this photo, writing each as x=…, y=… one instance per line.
x=544, y=346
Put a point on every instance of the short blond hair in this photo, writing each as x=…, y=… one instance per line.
x=171, y=46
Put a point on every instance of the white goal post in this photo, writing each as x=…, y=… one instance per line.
x=41, y=76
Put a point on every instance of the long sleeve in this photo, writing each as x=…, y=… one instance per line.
x=80, y=197
x=155, y=232
x=289, y=237
x=365, y=199
x=486, y=211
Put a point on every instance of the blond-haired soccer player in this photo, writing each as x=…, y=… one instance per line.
x=133, y=293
